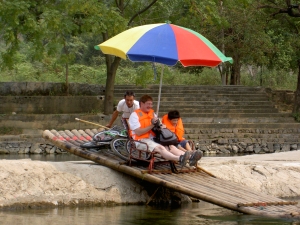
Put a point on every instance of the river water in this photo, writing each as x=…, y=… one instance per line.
x=189, y=214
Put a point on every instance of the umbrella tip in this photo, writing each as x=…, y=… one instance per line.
x=97, y=47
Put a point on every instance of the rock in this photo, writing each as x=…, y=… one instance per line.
x=257, y=149
x=37, y=151
x=276, y=147
x=34, y=147
x=285, y=148
x=235, y=149
x=4, y=151
x=243, y=145
x=249, y=149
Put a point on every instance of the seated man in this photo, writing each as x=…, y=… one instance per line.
x=127, y=106
x=174, y=123
x=141, y=122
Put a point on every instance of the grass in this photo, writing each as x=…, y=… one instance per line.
x=10, y=131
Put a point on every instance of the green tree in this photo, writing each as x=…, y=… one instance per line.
x=53, y=27
x=131, y=11
x=285, y=15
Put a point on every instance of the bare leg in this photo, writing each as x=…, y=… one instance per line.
x=181, y=148
x=188, y=147
x=166, y=154
x=175, y=150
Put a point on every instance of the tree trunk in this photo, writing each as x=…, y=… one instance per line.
x=67, y=79
x=112, y=66
x=67, y=70
x=296, y=108
x=235, y=78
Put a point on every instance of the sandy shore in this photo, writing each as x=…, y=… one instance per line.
x=26, y=182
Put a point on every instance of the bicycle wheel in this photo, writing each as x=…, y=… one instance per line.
x=119, y=145
x=92, y=144
x=105, y=136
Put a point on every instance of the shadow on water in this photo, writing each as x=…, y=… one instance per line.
x=189, y=214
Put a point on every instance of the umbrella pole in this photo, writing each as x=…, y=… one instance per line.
x=159, y=91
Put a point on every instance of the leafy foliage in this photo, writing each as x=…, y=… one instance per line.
x=40, y=38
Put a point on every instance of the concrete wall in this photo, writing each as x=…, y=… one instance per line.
x=50, y=98
x=50, y=104
x=49, y=89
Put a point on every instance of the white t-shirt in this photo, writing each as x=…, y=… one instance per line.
x=134, y=122
x=122, y=107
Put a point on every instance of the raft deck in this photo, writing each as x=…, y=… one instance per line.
x=194, y=182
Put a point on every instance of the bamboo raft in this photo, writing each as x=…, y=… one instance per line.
x=197, y=183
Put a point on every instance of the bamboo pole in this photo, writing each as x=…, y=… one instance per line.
x=203, y=190
x=73, y=137
x=96, y=124
x=152, y=196
x=205, y=171
x=239, y=190
x=89, y=132
x=85, y=135
x=242, y=189
x=79, y=135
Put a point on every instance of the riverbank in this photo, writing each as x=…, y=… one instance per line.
x=27, y=183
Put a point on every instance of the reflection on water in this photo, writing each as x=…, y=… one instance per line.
x=190, y=214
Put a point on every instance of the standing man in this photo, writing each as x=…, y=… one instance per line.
x=127, y=106
x=141, y=122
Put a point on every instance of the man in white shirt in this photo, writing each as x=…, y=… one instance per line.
x=126, y=105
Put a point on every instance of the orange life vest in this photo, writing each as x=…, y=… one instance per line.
x=145, y=121
x=178, y=129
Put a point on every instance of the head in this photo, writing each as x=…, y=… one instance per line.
x=129, y=97
x=146, y=103
x=174, y=116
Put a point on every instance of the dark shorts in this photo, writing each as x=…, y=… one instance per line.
x=183, y=143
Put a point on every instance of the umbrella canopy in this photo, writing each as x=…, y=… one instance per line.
x=164, y=43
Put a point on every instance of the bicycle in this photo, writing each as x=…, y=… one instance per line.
x=104, y=138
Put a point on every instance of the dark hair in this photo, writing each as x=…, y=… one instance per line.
x=129, y=93
x=145, y=98
x=173, y=115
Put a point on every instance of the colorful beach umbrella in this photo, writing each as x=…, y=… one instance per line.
x=164, y=43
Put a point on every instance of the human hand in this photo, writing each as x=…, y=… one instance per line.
x=154, y=121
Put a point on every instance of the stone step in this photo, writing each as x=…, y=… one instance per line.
x=170, y=88
x=248, y=139
x=289, y=136
x=219, y=103
x=153, y=92
x=211, y=98
x=194, y=116
x=259, y=117
x=243, y=126
x=220, y=110
x=190, y=122
x=199, y=95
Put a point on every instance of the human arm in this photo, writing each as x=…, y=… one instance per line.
x=140, y=131
x=136, y=126
x=113, y=118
